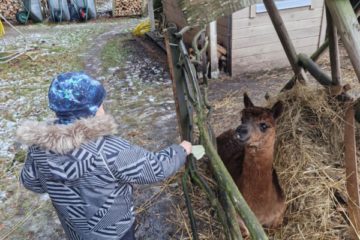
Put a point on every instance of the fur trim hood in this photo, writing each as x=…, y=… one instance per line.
x=64, y=138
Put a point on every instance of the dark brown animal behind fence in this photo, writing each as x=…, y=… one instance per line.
x=247, y=152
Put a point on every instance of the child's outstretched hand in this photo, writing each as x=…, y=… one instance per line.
x=198, y=151
x=187, y=146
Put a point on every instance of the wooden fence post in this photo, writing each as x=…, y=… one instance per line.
x=346, y=22
x=333, y=49
x=151, y=14
x=352, y=185
x=284, y=39
x=214, y=62
x=183, y=116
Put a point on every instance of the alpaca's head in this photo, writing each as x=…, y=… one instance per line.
x=257, y=129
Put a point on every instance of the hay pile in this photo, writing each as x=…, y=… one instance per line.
x=310, y=164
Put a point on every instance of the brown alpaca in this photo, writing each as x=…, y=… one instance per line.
x=247, y=152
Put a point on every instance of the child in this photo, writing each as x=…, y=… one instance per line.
x=84, y=168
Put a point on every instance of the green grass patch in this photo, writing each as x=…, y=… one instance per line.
x=114, y=53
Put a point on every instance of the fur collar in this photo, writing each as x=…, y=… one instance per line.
x=64, y=138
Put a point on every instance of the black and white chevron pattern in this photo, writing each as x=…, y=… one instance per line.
x=90, y=187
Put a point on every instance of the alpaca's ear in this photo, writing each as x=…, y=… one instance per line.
x=277, y=109
x=247, y=102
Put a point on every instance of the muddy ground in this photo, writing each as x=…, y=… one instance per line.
x=135, y=75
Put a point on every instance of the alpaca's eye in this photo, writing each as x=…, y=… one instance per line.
x=263, y=127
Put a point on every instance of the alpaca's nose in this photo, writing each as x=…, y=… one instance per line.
x=242, y=132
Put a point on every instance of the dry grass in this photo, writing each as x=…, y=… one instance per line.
x=226, y=111
x=208, y=225
x=309, y=161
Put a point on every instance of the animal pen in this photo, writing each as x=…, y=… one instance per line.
x=190, y=82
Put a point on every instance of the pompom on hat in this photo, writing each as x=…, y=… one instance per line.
x=75, y=95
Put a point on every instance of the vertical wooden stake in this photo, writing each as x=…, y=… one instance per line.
x=151, y=14
x=183, y=114
x=252, y=11
x=284, y=38
x=214, y=62
x=352, y=185
x=176, y=74
x=333, y=49
x=323, y=27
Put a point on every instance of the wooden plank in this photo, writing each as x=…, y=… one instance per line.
x=171, y=3
x=151, y=14
x=323, y=27
x=252, y=11
x=263, y=62
x=244, y=13
x=176, y=74
x=223, y=31
x=222, y=22
x=222, y=28
x=284, y=38
x=223, y=41
x=173, y=12
x=352, y=184
x=244, y=67
x=273, y=47
x=333, y=50
x=265, y=29
x=272, y=56
x=174, y=18
x=317, y=3
x=346, y=22
x=288, y=16
x=222, y=34
x=214, y=61
x=273, y=38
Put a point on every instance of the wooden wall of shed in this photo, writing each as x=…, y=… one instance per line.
x=223, y=32
x=256, y=46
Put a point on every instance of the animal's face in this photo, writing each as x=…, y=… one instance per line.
x=257, y=129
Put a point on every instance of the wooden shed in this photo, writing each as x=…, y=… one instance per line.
x=250, y=38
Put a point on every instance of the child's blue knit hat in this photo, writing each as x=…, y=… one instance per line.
x=75, y=95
